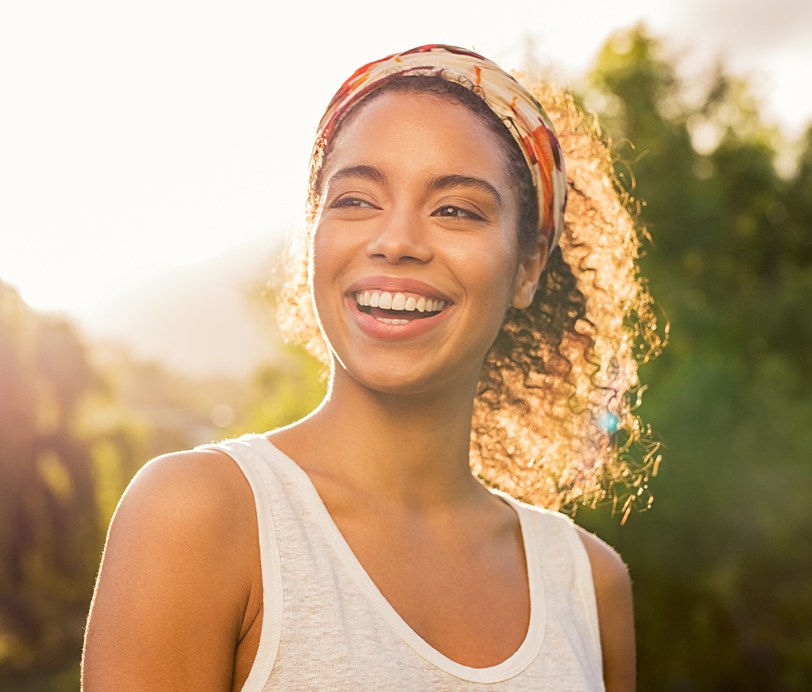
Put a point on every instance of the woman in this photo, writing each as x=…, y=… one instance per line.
x=355, y=549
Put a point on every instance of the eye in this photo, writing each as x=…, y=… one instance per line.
x=349, y=202
x=452, y=211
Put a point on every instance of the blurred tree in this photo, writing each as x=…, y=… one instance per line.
x=282, y=392
x=75, y=426
x=66, y=454
x=50, y=533
x=719, y=564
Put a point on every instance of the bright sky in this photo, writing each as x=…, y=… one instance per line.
x=137, y=138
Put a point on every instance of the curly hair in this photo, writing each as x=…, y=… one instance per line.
x=555, y=419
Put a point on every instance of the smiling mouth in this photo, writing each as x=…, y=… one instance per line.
x=396, y=307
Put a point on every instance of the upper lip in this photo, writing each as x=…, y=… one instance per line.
x=397, y=284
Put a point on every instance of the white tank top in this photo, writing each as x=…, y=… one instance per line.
x=326, y=626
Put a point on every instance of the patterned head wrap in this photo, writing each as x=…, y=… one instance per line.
x=522, y=114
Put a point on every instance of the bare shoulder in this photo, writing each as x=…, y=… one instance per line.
x=613, y=594
x=194, y=500
x=176, y=576
x=609, y=572
x=194, y=485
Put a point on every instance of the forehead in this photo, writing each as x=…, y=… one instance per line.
x=401, y=129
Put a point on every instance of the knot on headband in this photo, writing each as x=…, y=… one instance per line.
x=521, y=113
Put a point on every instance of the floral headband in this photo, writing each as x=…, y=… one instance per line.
x=522, y=114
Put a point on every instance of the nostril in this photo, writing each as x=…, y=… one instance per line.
x=398, y=252
x=396, y=244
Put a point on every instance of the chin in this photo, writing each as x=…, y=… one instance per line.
x=394, y=381
x=405, y=377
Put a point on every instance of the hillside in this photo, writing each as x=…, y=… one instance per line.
x=202, y=320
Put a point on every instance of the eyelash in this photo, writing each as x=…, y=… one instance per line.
x=458, y=213
x=352, y=203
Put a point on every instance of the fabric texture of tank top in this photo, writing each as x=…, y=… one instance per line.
x=326, y=626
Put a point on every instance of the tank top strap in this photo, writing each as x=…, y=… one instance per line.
x=249, y=455
x=566, y=568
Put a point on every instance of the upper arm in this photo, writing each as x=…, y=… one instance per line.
x=174, y=579
x=613, y=593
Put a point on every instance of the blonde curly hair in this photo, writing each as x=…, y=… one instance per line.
x=555, y=419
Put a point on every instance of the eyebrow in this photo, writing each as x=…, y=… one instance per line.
x=371, y=173
x=438, y=183
x=444, y=182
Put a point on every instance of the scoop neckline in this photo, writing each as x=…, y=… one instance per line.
x=513, y=665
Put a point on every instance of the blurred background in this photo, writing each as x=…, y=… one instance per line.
x=153, y=159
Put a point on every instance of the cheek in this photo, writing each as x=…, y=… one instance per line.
x=491, y=269
x=320, y=272
x=331, y=254
x=325, y=253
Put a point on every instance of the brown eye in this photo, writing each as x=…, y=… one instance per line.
x=352, y=203
x=451, y=211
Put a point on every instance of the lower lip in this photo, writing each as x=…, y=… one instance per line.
x=373, y=327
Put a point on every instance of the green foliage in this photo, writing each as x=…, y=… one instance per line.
x=282, y=392
x=75, y=426
x=50, y=533
x=720, y=565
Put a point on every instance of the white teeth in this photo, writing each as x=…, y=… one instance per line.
x=398, y=301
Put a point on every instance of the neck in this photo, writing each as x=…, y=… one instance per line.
x=410, y=449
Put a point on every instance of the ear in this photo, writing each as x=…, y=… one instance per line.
x=528, y=275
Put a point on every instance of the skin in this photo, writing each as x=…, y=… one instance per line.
x=444, y=551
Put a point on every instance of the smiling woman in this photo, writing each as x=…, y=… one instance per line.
x=355, y=549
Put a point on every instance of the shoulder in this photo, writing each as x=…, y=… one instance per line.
x=613, y=596
x=203, y=481
x=191, y=511
x=177, y=575
x=197, y=495
x=609, y=572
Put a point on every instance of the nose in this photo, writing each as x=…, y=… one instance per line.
x=401, y=236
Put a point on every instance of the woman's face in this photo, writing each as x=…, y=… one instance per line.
x=415, y=255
